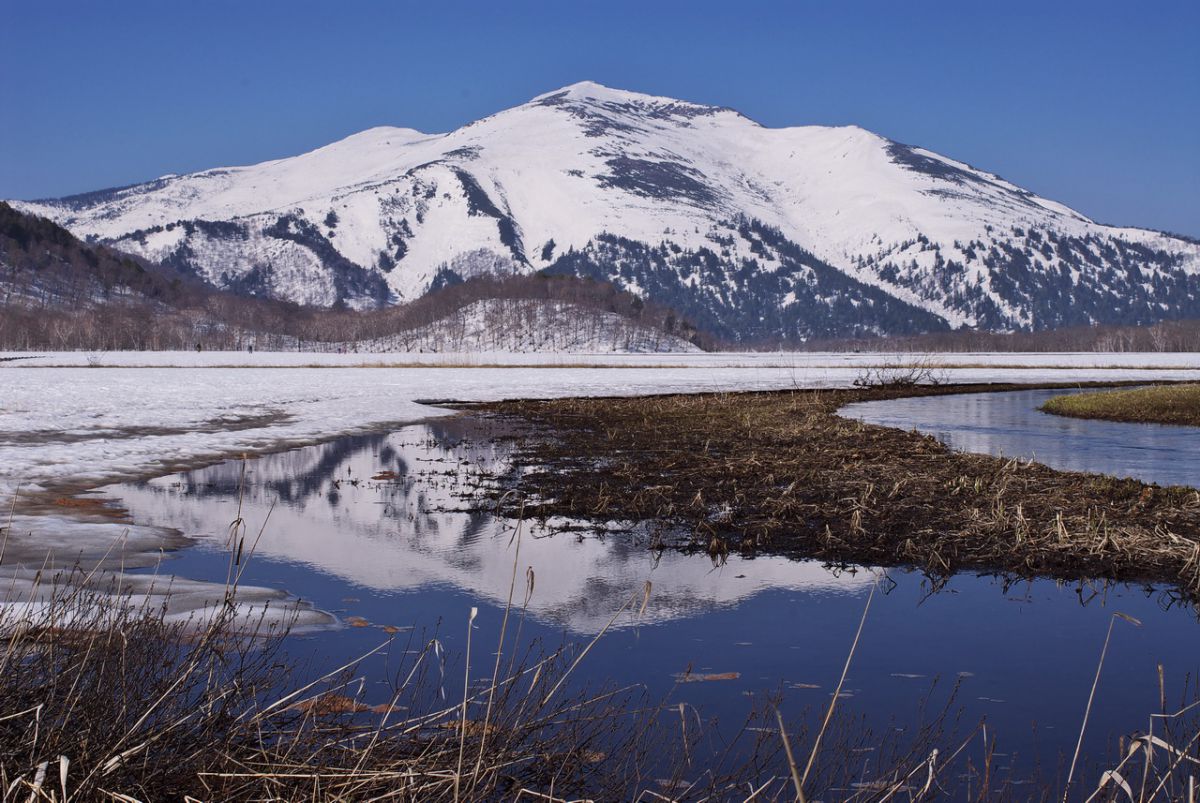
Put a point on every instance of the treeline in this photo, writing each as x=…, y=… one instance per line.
x=585, y=294
x=524, y=325
x=1165, y=336
x=59, y=293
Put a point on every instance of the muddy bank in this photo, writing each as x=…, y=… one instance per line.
x=782, y=473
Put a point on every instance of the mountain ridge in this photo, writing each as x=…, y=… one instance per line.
x=57, y=292
x=783, y=233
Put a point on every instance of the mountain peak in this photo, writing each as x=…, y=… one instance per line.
x=593, y=91
x=587, y=90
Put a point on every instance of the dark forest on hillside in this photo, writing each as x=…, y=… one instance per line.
x=57, y=292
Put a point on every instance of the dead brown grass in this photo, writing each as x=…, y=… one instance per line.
x=100, y=701
x=782, y=472
x=91, y=505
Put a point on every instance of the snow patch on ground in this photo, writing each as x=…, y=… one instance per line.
x=65, y=426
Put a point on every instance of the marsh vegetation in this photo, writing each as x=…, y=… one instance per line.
x=782, y=473
x=1160, y=404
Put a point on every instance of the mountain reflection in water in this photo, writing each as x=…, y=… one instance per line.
x=321, y=507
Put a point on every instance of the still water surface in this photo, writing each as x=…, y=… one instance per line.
x=404, y=551
x=1010, y=424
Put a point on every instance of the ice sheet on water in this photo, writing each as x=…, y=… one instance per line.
x=30, y=597
x=65, y=541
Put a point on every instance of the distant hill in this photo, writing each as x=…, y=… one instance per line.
x=44, y=264
x=57, y=292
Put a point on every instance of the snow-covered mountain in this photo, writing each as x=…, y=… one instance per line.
x=751, y=232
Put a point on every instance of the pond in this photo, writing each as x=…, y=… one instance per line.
x=376, y=530
x=1011, y=425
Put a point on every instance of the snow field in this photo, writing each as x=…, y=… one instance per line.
x=66, y=426
x=153, y=412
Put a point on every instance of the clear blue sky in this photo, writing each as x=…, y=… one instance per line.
x=1096, y=104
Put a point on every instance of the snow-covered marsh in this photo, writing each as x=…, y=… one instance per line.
x=63, y=423
x=72, y=421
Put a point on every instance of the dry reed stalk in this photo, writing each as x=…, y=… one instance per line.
x=1092, y=697
x=512, y=586
x=462, y=739
x=645, y=595
x=797, y=781
x=812, y=756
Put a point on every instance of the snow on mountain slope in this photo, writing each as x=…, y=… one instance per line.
x=752, y=232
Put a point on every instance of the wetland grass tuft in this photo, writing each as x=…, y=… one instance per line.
x=1160, y=404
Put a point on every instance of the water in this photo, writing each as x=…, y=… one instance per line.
x=1011, y=425
x=406, y=553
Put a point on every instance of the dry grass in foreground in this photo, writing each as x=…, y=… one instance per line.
x=1161, y=404
x=783, y=473
x=105, y=701
x=100, y=701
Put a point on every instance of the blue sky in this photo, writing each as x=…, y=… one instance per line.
x=1094, y=104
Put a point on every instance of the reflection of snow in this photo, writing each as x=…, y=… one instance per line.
x=410, y=533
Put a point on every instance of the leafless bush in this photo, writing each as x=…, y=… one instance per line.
x=902, y=373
